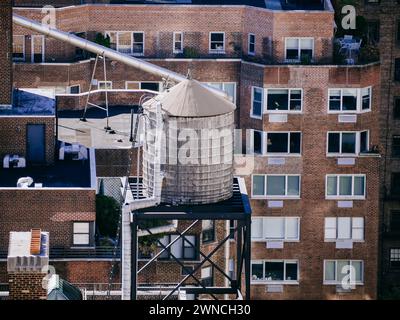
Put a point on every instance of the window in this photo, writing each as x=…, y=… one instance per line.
x=180, y=249
x=217, y=42
x=153, y=86
x=395, y=185
x=284, y=142
x=396, y=108
x=395, y=221
x=178, y=42
x=344, y=228
x=258, y=141
x=207, y=276
x=19, y=48
x=104, y=85
x=345, y=186
x=373, y=31
x=81, y=234
x=279, y=271
x=256, y=102
x=228, y=87
x=398, y=32
x=252, y=44
x=186, y=270
x=395, y=258
x=75, y=89
x=336, y=270
x=127, y=42
x=396, y=146
x=279, y=100
x=275, y=228
x=347, y=142
x=349, y=100
x=208, y=230
x=299, y=49
x=397, y=69
x=276, y=186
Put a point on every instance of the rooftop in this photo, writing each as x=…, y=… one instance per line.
x=31, y=102
x=63, y=174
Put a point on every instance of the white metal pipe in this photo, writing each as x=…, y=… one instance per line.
x=101, y=50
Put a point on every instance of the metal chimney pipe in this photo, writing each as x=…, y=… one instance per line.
x=101, y=50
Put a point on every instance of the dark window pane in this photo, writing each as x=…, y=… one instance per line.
x=395, y=221
x=154, y=86
x=257, y=271
x=186, y=270
x=278, y=100
x=274, y=270
x=364, y=141
x=334, y=99
x=398, y=31
x=258, y=142
x=295, y=142
x=306, y=54
x=291, y=271
x=349, y=102
x=292, y=54
x=396, y=146
x=348, y=142
x=396, y=111
x=333, y=142
x=397, y=69
x=217, y=37
x=395, y=188
x=277, y=142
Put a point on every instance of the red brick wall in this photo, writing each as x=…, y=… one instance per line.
x=26, y=286
x=50, y=210
x=313, y=165
x=6, y=52
x=13, y=133
x=196, y=22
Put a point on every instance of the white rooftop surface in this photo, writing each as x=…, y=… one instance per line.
x=20, y=244
x=92, y=133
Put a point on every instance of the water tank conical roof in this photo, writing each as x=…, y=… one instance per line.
x=190, y=98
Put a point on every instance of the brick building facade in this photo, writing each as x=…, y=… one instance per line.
x=259, y=50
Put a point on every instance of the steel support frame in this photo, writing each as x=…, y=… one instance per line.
x=242, y=234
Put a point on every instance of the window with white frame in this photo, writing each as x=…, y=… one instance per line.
x=275, y=228
x=74, y=89
x=104, y=85
x=228, y=87
x=299, y=49
x=181, y=249
x=349, y=100
x=347, y=142
x=275, y=186
x=256, y=102
x=275, y=271
x=276, y=143
x=217, y=42
x=344, y=228
x=81, y=234
x=251, y=49
x=127, y=42
x=178, y=42
x=284, y=100
x=335, y=271
x=207, y=276
x=18, y=48
x=345, y=186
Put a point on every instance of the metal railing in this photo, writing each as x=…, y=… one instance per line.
x=84, y=253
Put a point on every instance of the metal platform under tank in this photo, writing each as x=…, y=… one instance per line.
x=236, y=209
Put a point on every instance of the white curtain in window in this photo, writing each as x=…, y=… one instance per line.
x=292, y=228
x=292, y=43
x=257, y=228
x=274, y=228
x=307, y=44
x=330, y=228
x=344, y=228
x=176, y=248
x=358, y=229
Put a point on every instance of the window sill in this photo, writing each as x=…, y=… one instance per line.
x=350, y=112
x=339, y=283
x=256, y=117
x=344, y=198
x=77, y=247
x=216, y=52
x=283, y=112
x=338, y=240
x=274, y=198
x=277, y=240
x=263, y=282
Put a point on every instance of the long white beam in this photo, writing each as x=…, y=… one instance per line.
x=101, y=50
